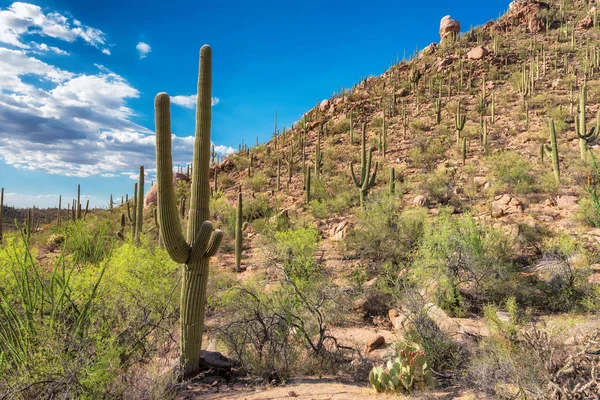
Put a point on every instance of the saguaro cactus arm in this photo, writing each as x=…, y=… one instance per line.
x=170, y=228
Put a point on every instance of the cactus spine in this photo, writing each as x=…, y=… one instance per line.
x=366, y=181
x=139, y=218
x=201, y=243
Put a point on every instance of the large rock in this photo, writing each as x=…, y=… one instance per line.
x=324, y=106
x=506, y=204
x=442, y=63
x=477, y=53
x=339, y=231
x=528, y=13
x=449, y=27
x=429, y=50
x=151, y=195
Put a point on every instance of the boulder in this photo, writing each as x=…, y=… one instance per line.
x=429, y=50
x=324, y=106
x=586, y=23
x=442, y=63
x=449, y=27
x=152, y=195
x=477, y=53
x=567, y=202
x=524, y=12
x=506, y=204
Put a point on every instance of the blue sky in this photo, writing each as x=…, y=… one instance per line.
x=78, y=78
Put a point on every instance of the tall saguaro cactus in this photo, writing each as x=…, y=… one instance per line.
x=238, y=233
x=552, y=151
x=201, y=243
x=366, y=181
x=585, y=137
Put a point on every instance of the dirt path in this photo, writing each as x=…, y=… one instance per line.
x=331, y=388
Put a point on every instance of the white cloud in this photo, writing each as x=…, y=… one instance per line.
x=61, y=122
x=21, y=19
x=224, y=150
x=143, y=49
x=190, y=101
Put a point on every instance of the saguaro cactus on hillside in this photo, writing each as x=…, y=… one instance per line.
x=1, y=211
x=366, y=181
x=139, y=218
x=201, y=243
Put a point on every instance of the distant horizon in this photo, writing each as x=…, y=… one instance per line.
x=78, y=79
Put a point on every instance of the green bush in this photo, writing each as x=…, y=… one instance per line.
x=88, y=332
x=385, y=235
x=512, y=172
x=460, y=254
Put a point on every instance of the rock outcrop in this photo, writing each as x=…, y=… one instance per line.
x=449, y=27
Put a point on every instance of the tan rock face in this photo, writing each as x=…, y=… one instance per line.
x=449, y=27
x=477, y=53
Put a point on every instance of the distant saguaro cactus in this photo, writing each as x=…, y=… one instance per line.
x=201, y=243
x=139, y=218
x=366, y=181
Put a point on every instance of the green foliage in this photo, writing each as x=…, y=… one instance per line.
x=295, y=249
x=341, y=126
x=512, y=172
x=257, y=182
x=386, y=235
x=437, y=186
x=408, y=372
x=460, y=253
x=86, y=332
x=427, y=153
x=87, y=241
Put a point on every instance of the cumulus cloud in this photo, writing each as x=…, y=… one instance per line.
x=62, y=122
x=143, y=49
x=190, y=101
x=40, y=200
x=21, y=19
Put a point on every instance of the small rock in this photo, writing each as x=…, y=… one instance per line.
x=420, y=200
x=479, y=181
x=477, y=53
x=586, y=23
x=374, y=343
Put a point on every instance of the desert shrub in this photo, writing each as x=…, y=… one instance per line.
x=538, y=366
x=418, y=126
x=386, y=235
x=512, y=172
x=284, y=331
x=461, y=253
x=88, y=332
x=438, y=186
x=87, y=241
x=427, y=153
x=257, y=182
x=341, y=126
x=376, y=122
x=563, y=282
x=256, y=206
